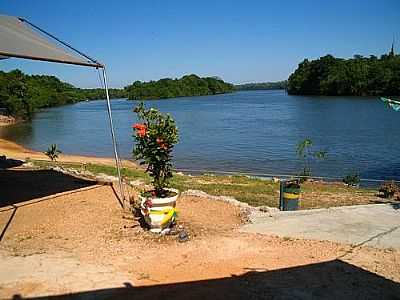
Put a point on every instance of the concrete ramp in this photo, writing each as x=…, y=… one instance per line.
x=376, y=225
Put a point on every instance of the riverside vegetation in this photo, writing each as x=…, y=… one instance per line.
x=187, y=86
x=358, y=76
x=52, y=152
x=306, y=153
x=21, y=95
x=254, y=86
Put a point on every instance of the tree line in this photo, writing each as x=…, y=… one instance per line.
x=21, y=95
x=358, y=76
x=278, y=85
x=188, y=85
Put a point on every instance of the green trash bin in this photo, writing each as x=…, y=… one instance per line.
x=289, y=194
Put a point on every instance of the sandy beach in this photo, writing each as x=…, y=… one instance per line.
x=7, y=120
x=15, y=151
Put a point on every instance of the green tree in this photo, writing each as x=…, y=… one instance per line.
x=356, y=76
x=188, y=85
x=21, y=95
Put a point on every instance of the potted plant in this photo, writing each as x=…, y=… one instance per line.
x=155, y=136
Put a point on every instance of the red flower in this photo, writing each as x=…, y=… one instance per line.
x=141, y=129
x=141, y=133
x=138, y=125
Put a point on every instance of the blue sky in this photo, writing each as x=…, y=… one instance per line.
x=239, y=41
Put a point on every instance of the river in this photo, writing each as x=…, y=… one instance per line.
x=249, y=131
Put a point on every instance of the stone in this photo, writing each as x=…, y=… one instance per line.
x=183, y=236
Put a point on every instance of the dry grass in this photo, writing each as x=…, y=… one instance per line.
x=254, y=191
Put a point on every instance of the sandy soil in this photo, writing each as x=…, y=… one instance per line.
x=15, y=151
x=80, y=244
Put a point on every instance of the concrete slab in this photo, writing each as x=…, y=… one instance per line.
x=376, y=225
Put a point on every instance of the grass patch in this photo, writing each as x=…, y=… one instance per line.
x=130, y=173
x=126, y=172
x=254, y=191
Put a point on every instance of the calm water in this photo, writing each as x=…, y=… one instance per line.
x=252, y=131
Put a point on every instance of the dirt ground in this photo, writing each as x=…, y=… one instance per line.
x=79, y=244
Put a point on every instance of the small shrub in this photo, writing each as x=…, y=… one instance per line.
x=52, y=152
x=352, y=179
x=304, y=151
x=388, y=189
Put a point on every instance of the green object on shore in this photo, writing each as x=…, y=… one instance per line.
x=394, y=104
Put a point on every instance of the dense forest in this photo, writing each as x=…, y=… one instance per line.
x=278, y=85
x=189, y=85
x=21, y=95
x=359, y=76
x=95, y=94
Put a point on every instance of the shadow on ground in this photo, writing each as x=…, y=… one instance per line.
x=329, y=280
x=6, y=163
x=22, y=185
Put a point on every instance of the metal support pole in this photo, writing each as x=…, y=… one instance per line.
x=117, y=161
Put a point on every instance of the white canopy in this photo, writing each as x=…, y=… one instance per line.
x=20, y=38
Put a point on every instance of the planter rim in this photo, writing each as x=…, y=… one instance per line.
x=166, y=200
